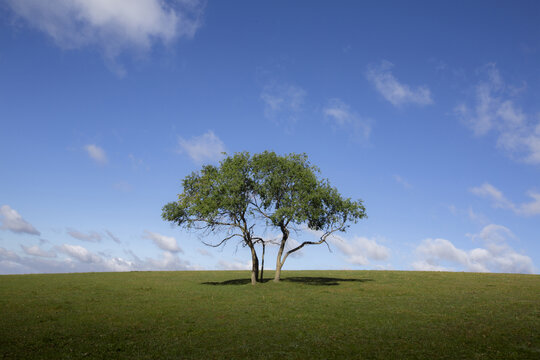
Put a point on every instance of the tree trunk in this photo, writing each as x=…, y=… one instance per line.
x=278, y=265
x=254, y=266
x=277, y=277
x=262, y=262
x=279, y=262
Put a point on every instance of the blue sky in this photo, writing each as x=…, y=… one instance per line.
x=428, y=111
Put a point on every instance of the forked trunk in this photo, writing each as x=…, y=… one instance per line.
x=277, y=277
x=262, y=262
x=254, y=266
x=280, y=260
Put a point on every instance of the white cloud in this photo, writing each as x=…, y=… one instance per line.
x=360, y=250
x=495, y=256
x=11, y=263
x=489, y=191
x=207, y=147
x=392, y=90
x=283, y=103
x=80, y=259
x=443, y=250
x=92, y=236
x=13, y=221
x=93, y=262
x=494, y=109
x=344, y=117
x=37, y=251
x=96, y=153
x=80, y=253
x=498, y=199
x=117, y=264
x=531, y=208
x=168, y=261
x=113, y=26
x=424, y=265
x=233, y=265
x=167, y=243
x=494, y=234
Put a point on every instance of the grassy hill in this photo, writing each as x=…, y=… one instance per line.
x=309, y=315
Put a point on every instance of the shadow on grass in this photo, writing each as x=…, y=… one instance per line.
x=308, y=280
x=319, y=280
x=232, y=282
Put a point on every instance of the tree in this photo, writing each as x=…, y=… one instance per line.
x=217, y=199
x=290, y=196
x=246, y=191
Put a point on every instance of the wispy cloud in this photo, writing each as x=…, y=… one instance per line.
x=204, y=252
x=92, y=236
x=477, y=217
x=96, y=153
x=498, y=199
x=204, y=148
x=80, y=253
x=283, y=103
x=7, y=255
x=14, y=222
x=113, y=26
x=402, y=181
x=360, y=250
x=77, y=258
x=495, y=256
x=342, y=116
x=491, y=192
x=167, y=261
x=394, y=91
x=494, y=109
x=233, y=265
x=167, y=243
x=37, y=251
x=113, y=237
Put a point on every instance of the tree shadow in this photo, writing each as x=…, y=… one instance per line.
x=228, y=282
x=232, y=282
x=308, y=280
x=320, y=280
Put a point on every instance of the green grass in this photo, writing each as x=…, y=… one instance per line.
x=310, y=315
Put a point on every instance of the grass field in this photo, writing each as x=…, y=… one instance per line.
x=309, y=315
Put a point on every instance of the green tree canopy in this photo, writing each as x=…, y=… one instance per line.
x=245, y=192
x=290, y=195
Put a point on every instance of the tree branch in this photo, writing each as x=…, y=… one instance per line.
x=222, y=241
x=322, y=240
x=260, y=211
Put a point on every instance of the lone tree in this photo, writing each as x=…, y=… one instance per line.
x=217, y=199
x=247, y=192
x=290, y=196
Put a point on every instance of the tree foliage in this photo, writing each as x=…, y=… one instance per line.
x=246, y=192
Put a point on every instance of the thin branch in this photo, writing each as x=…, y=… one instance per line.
x=260, y=211
x=322, y=240
x=222, y=241
x=263, y=241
